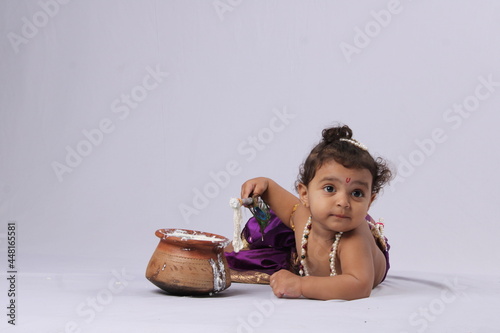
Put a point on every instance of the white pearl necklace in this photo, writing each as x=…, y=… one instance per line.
x=303, y=271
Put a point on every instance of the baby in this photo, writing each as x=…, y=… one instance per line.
x=341, y=252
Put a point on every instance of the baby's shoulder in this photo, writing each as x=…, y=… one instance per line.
x=356, y=238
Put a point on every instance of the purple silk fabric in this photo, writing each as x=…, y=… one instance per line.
x=268, y=255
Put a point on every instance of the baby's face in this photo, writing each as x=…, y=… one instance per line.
x=338, y=197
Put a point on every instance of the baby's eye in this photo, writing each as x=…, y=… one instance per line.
x=358, y=193
x=329, y=189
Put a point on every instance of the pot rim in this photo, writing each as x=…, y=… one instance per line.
x=217, y=240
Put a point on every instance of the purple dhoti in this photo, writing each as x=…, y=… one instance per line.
x=267, y=254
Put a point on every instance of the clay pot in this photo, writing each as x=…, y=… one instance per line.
x=189, y=262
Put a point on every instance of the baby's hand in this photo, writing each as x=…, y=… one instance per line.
x=254, y=187
x=286, y=284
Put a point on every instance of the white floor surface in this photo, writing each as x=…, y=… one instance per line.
x=121, y=301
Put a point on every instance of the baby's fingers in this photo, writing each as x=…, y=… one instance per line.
x=247, y=189
x=253, y=187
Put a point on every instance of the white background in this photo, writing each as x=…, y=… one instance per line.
x=67, y=67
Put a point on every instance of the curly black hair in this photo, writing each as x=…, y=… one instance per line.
x=346, y=153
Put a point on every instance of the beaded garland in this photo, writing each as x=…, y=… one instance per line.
x=303, y=271
x=377, y=230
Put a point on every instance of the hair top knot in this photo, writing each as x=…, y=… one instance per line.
x=333, y=134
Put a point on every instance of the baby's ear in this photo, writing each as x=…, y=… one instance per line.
x=374, y=195
x=303, y=195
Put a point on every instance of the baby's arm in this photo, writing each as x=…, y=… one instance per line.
x=356, y=280
x=344, y=286
x=280, y=200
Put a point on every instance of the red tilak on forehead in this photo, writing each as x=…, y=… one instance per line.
x=347, y=180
